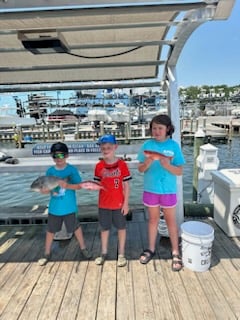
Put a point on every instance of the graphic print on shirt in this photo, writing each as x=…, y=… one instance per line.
x=59, y=191
x=116, y=183
x=112, y=177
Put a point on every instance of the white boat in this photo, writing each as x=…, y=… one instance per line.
x=235, y=112
x=150, y=112
x=121, y=113
x=8, y=120
x=98, y=113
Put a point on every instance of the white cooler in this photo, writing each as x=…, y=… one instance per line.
x=227, y=200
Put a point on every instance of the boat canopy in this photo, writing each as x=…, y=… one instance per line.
x=61, y=44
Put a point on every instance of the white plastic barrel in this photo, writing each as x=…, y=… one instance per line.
x=197, y=239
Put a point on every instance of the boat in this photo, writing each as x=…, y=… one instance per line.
x=63, y=116
x=235, y=112
x=8, y=120
x=121, y=113
x=97, y=113
x=151, y=111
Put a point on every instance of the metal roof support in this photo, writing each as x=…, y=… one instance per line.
x=173, y=111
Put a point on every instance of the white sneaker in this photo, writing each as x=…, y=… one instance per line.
x=122, y=261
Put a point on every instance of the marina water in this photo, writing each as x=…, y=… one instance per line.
x=15, y=187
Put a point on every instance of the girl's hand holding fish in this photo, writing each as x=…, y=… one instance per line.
x=154, y=155
x=165, y=162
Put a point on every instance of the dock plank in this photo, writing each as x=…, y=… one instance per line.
x=90, y=292
x=107, y=294
x=71, y=287
x=125, y=295
x=24, y=288
x=215, y=296
x=200, y=304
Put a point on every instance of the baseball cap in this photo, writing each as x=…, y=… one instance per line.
x=59, y=147
x=107, y=138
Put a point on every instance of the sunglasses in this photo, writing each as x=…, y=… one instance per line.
x=58, y=155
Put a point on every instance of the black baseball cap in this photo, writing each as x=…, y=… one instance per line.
x=59, y=147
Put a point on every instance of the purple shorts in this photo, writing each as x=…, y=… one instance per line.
x=159, y=200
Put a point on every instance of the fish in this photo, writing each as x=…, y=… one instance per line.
x=156, y=155
x=45, y=182
x=91, y=185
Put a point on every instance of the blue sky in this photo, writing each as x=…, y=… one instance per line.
x=211, y=55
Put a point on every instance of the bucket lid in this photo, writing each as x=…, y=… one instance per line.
x=196, y=228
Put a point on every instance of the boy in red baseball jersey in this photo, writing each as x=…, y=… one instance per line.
x=114, y=175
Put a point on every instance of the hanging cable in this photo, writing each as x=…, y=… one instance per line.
x=105, y=56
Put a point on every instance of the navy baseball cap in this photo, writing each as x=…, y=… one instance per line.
x=107, y=138
x=59, y=147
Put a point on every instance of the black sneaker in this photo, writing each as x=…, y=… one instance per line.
x=86, y=253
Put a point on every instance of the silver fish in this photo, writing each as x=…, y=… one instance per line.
x=45, y=182
x=91, y=185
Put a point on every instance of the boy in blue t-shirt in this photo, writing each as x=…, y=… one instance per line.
x=63, y=203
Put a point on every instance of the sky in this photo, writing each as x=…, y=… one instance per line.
x=211, y=56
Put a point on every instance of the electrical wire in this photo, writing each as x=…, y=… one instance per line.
x=105, y=56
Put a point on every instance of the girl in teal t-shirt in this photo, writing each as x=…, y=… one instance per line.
x=161, y=161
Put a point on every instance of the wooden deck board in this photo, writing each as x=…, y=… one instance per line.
x=70, y=287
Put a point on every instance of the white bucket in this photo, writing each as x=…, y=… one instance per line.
x=197, y=238
x=162, y=226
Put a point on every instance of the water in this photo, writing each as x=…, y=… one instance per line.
x=15, y=188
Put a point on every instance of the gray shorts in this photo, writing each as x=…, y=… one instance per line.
x=55, y=222
x=108, y=217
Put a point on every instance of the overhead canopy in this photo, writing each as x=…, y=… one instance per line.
x=102, y=44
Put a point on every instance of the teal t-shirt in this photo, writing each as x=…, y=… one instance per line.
x=157, y=179
x=63, y=201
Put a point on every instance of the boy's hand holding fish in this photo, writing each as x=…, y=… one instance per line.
x=88, y=185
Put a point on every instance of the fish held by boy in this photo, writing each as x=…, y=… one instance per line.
x=91, y=185
x=156, y=155
x=45, y=183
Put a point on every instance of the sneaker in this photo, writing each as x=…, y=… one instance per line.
x=43, y=261
x=100, y=260
x=86, y=253
x=122, y=261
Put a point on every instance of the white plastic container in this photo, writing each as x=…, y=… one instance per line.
x=162, y=226
x=227, y=200
x=197, y=239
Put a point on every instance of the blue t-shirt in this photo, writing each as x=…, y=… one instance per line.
x=63, y=201
x=157, y=179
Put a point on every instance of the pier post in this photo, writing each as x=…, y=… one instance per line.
x=48, y=131
x=191, y=125
x=76, y=131
x=230, y=131
x=204, y=124
x=126, y=132
x=197, y=124
x=101, y=128
x=43, y=132
x=61, y=131
x=181, y=124
x=199, y=138
x=143, y=131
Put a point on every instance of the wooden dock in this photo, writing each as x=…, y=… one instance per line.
x=70, y=287
x=215, y=128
